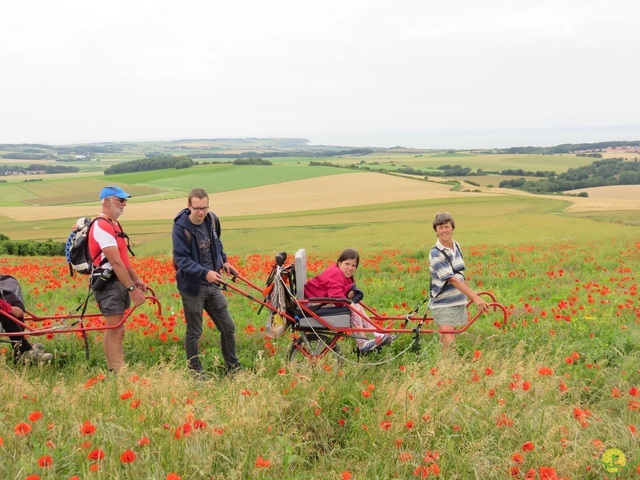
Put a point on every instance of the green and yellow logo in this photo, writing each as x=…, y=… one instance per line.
x=614, y=461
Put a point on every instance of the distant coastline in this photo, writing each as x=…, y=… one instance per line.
x=463, y=139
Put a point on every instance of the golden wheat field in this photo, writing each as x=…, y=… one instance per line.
x=353, y=189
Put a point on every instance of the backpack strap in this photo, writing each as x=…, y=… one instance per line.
x=215, y=222
x=120, y=234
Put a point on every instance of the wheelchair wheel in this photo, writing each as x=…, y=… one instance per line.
x=315, y=348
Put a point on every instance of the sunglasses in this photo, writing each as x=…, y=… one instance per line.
x=121, y=200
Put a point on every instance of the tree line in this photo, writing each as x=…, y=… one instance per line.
x=614, y=171
x=30, y=248
x=150, y=163
x=48, y=169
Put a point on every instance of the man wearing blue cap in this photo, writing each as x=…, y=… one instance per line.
x=118, y=283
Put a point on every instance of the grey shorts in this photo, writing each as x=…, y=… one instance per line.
x=113, y=299
x=455, y=316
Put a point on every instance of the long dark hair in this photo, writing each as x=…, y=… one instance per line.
x=349, y=254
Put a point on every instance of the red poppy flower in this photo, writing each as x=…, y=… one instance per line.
x=87, y=428
x=385, y=425
x=545, y=371
x=634, y=392
x=173, y=476
x=346, y=475
x=96, y=454
x=33, y=416
x=22, y=429
x=262, y=463
x=548, y=473
x=45, y=461
x=405, y=456
x=528, y=446
x=127, y=394
x=32, y=477
x=144, y=441
x=421, y=471
x=127, y=456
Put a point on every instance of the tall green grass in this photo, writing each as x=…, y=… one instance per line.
x=555, y=387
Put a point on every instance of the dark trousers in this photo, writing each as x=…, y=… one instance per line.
x=20, y=344
x=211, y=300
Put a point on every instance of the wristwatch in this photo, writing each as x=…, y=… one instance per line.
x=131, y=288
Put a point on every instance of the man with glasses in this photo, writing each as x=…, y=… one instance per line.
x=199, y=259
x=117, y=284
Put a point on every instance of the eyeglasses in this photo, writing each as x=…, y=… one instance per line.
x=199, y=209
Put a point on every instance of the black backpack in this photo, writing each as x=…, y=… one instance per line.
x=11, y=292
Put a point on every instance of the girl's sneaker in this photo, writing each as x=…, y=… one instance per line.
x=371, y=345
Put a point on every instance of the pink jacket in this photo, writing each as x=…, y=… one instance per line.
x=331, y=283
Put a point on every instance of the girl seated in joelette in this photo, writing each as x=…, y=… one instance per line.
x=337, y=281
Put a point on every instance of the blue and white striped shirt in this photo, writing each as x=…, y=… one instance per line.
x=442, y=293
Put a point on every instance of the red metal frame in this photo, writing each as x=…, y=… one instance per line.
x=396, y=324
x=58, y=321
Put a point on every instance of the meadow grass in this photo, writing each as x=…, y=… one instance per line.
x=555, y=387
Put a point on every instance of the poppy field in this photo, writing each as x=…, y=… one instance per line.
x=552, y=393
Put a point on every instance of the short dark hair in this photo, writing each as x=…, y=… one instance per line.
x=197, y=193
x=441, y=218
x=349, y=254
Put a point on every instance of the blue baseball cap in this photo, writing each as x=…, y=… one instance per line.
x=113, y=191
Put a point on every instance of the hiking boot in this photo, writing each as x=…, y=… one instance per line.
x=237, y=368
x=35, y=356
x=199, y=375
x=386, y=340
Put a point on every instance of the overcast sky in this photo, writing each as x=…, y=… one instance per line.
x=418, y=73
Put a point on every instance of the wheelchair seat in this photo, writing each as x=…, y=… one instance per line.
x=335, y=317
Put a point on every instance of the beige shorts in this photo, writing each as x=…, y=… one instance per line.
x=455, y=316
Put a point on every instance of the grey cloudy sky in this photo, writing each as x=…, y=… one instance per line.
x=420, y=73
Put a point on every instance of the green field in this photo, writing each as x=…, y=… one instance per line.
x=485, y=162
x=544, y=395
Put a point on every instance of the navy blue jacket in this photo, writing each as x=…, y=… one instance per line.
x=186, y=255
